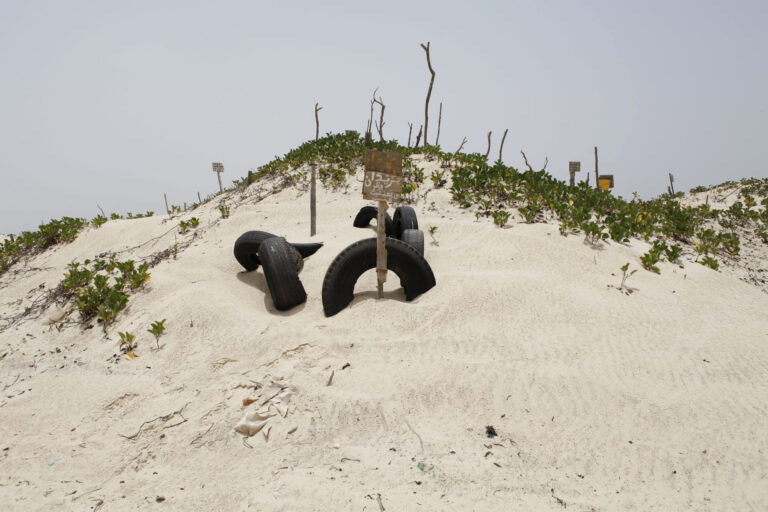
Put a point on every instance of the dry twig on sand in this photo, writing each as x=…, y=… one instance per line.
x=164, y=418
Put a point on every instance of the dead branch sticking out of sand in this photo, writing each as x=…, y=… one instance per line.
x=501, y=148
x=164, y=418
x=380, y=123
x=464, y=141
x=526, y=161
x=429, y=93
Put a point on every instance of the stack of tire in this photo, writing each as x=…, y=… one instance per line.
x=405, y=257
x=282, y=261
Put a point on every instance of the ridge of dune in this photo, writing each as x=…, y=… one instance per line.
x=601, y=400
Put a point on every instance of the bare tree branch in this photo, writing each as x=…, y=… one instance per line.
x=546, y=161
x=418, y=137
x=501, y=148
x=439, y=121
x=462, y=145
x=488, y=151
x=410, y=129
x=380, y=124
x=317, y=121
x=526, y=161
x=429, y=92
x=368, y=132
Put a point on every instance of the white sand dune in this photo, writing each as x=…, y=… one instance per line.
x=656, y=400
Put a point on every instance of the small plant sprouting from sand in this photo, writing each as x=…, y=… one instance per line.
x=500, y=217
x=191, y=223
x=625, y=274
x=157, y=330
x=652, y=257
x=432, y=230
x=438, y=179
x=128, y=344
x=224, y=210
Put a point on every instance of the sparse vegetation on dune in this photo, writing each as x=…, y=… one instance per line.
x=497, y=191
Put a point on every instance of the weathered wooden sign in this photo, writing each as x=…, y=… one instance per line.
x=387, y=162
x=573, y=168
x=218, y=168
x=383, y=180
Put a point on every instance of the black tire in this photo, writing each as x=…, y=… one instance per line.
x=307, y=250
x=280, y=271
x=298, y=259
x=247, y=248
x=414, y=238
x=405, y=218
x=415, y=274
x=367, y=213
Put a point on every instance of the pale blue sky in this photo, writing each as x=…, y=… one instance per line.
x=117, y=102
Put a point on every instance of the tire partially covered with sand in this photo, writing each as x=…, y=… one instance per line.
x=405, y=218
x=368, y=213
x=414, y=238
x=278, y=261
x=415, y=274
x=247, y=249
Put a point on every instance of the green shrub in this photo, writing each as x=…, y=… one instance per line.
x=710, y=262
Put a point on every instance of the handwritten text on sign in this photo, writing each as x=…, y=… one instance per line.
x=383, y=176
x=378, y=186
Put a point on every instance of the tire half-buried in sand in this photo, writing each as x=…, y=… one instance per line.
x=415, y=274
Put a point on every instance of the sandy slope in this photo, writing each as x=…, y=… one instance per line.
x=601, y=400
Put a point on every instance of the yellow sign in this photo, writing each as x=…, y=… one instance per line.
x=605, y=181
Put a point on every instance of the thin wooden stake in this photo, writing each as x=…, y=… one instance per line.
x=381, y=249
x=439, y=122
x=167, y=210
x=597, y=184
x=313, y=203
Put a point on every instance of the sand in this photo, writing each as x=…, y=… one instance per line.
x=656, y=400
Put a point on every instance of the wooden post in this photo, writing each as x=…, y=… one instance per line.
x=381, y=249
x=596, y=180
x=199, y=198
x=313, y=202
x=218, y=168
x=383, y=182
x=250, y=178
x=167, y=210
x=439, y=122
x=313, y=181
